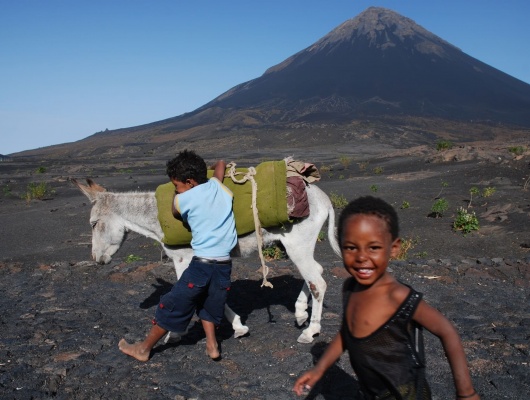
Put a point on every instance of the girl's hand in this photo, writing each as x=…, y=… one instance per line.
x=471, y=396
x=303, y=385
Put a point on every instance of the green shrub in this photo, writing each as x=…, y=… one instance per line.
x=41, y=170
x=6, y=190
x=38, y=191
x=378, y=170
x=407, y=244
x=444, y=185
x=405, y=205
x=132, y=258
x=273, y=253
x=345, y=161
x=439, y=207
x=473, y=191
x=488, y=191
x=442, y=145
x=374, y=188
x=338, y=200
x=516, y=150
x=465, y=221
x=363, y=165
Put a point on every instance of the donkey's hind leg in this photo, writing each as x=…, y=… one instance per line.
x=235, y=320
x=302, y=256
x=300, y=306
x=317, y=287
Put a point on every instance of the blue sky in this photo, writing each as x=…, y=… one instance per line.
x=71, y=68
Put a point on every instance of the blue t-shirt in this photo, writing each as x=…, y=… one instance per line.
x=207, y=209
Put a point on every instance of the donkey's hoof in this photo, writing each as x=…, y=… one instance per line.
x=172, y=337
x=305, y=338
x=302, y=318
x=242, y=331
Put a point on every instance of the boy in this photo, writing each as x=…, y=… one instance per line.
x=383, y=318
x=206, y=207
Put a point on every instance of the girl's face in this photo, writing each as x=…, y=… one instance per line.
x=367, y=246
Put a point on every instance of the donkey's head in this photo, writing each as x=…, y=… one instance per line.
x=108, y=231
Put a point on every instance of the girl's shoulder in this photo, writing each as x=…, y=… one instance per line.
x=399, y=292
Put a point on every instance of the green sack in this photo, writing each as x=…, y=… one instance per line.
x=271, y=202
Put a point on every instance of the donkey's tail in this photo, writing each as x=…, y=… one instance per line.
x=332, y=232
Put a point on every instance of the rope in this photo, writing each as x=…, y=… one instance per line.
x=249, y=176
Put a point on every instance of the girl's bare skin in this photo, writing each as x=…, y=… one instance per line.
x=367, y=246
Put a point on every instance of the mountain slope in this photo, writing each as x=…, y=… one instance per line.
x=377, y=75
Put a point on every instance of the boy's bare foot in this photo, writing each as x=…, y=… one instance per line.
x=213, y=352
x=134, y=350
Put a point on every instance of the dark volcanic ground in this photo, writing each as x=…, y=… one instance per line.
x=62, y=316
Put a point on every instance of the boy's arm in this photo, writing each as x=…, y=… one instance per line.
x=174, y=210
x=219, y=170
x=311, y=377
x=440, y=326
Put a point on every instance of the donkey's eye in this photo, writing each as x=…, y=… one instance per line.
x=93, y=224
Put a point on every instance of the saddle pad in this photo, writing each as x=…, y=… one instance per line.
x=271, y=202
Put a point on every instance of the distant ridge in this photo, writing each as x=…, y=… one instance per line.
x=376, y=75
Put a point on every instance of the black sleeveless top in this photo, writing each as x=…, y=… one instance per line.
x=389, y=363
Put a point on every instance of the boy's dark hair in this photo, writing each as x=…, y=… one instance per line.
x=187, y=165
x=370, y=206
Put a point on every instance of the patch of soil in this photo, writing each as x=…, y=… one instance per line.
x=62, y=315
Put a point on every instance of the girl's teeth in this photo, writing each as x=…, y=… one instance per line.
x=365, y=271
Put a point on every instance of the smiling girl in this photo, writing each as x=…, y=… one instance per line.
x=383, y=320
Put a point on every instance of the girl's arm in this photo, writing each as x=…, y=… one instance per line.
x=311, y=377
x=440, y=326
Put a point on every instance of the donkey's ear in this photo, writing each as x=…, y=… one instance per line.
x=94, y=186
x=87, y=190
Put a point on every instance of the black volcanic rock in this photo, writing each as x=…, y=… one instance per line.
x=383, y=63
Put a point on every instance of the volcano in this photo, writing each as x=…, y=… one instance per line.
x=382, y=63
x=379, y=66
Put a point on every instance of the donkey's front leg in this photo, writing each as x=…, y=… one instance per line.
x=235, y=320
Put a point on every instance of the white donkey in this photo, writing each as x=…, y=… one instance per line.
x=113, y=214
